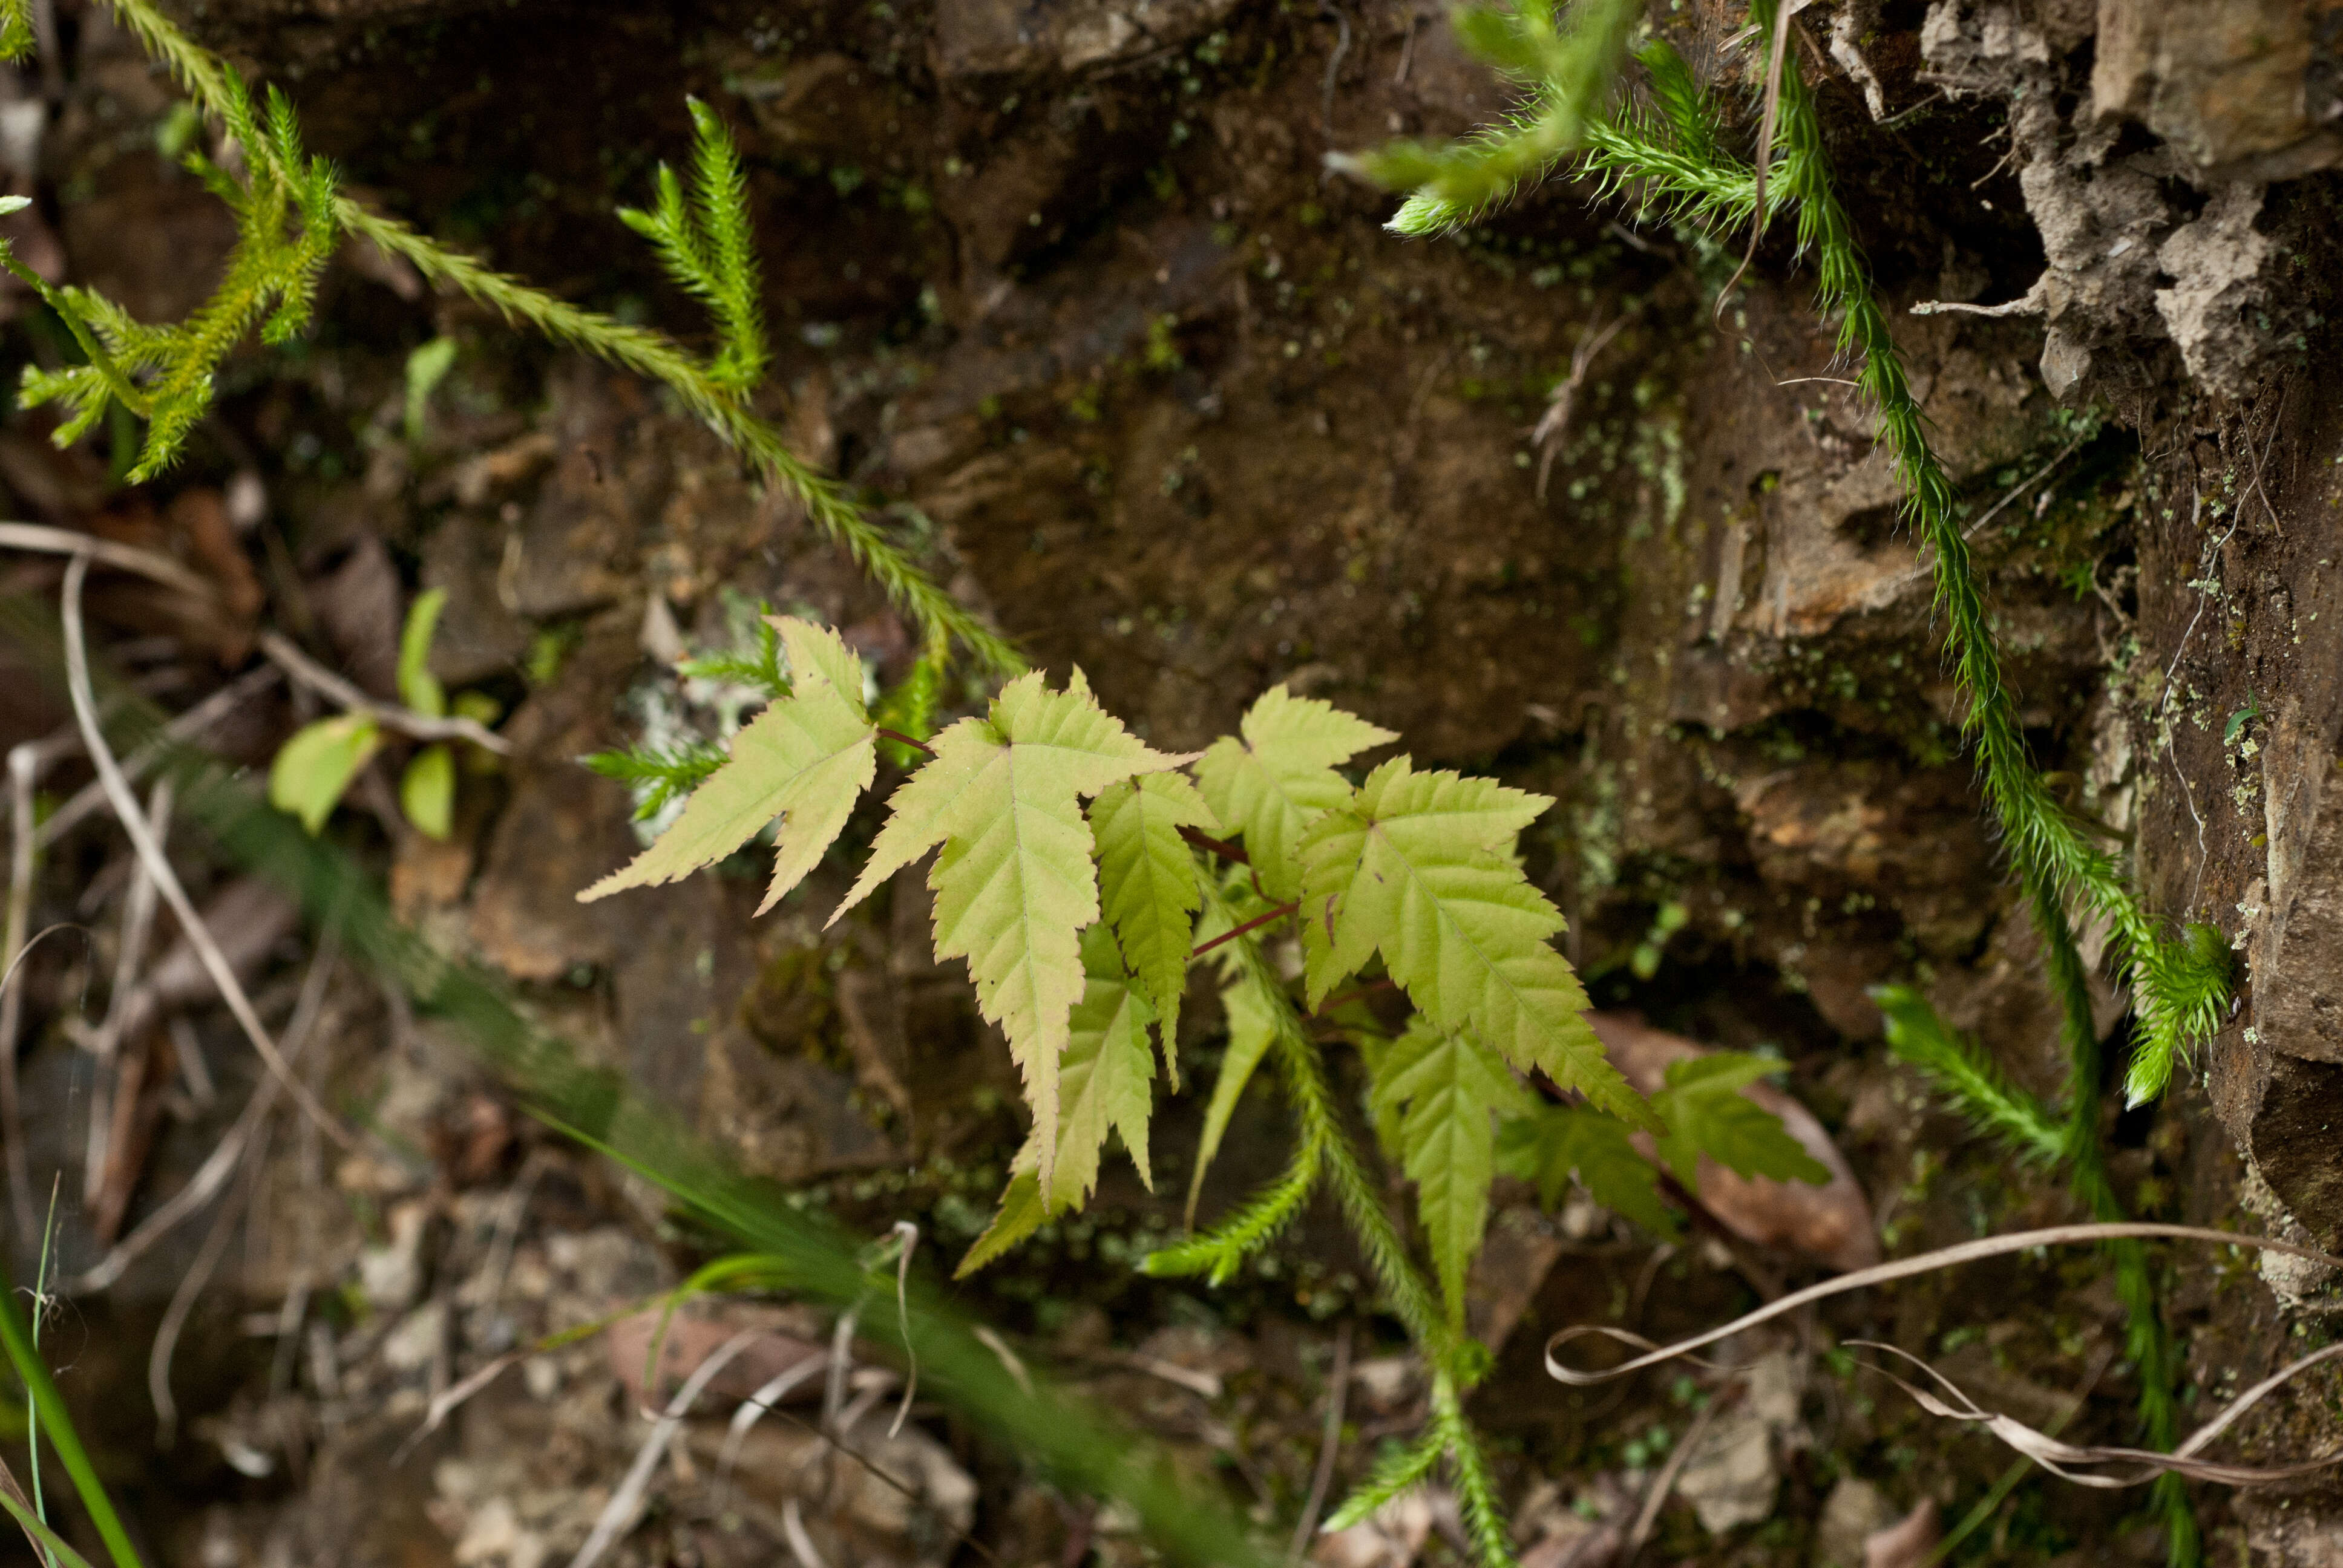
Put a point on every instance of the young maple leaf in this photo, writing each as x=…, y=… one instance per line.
x=1019, y=1215
x=1147, y=883
x=1418, y=867
x=1251, y=1028
x=806, y=759
x=1705, y=1112
x=1271, y=784
x=1445, y=1087
x=1014, y=885
x=1106, y=1078
x=1554, y=1143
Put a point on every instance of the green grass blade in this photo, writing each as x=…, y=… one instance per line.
x=63, y=1441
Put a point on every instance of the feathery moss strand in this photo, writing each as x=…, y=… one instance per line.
x=711, y=393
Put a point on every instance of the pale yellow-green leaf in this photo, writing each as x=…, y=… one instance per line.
x=1105, y=1079
x=1418, y=867
x=426, y=791
x=417, y=686
x=1251, y=1028
x=316, y=764
x=1147, y=884
x=1019, y=1215
x=811, y=648
x=1270, y=784
x=1445, y=1087
x=1014, y=884
x=806, y=759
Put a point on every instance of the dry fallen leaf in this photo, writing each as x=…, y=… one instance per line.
x=1831, y=1224
x=1909, y=1543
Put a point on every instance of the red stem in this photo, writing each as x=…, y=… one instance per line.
x=1223, y=847
x=901, y=740
x=1278, y=913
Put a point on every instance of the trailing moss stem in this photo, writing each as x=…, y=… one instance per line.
x=709, y=394
x=2148, y=1341
x=1456, y=1362
x=2054, y=859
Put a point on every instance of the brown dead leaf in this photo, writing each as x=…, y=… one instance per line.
x=200, y=519
x=357, y=605
x=1832, y=1224
x=691, y=1338
x=1908, y=1544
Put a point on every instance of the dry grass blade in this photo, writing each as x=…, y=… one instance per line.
x=16, y=1493
x=1904, y=1269
x=166, y=880
x=773, y=1391
x=1776, y=59
x=2043, y=1450
x=2061, y=1458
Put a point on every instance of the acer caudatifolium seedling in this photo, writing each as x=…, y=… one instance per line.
x=1080, y=874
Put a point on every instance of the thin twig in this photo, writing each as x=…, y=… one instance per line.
x=166, y=880
x=1330, y=1443
x=287, y=655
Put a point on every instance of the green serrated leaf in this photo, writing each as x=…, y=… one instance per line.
x=417, y=686
x=1105, y=1079
x=1449, y=1087
x=1418, y=867
x=1554, y=1143
x=1147, y=884
x=1251, y=1028
x=314, y=767
x=426, y=791
x=1270, y=785
x=806, y=759
x=1704, y=1112
x=1014, y=885
x=1021, y=1214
